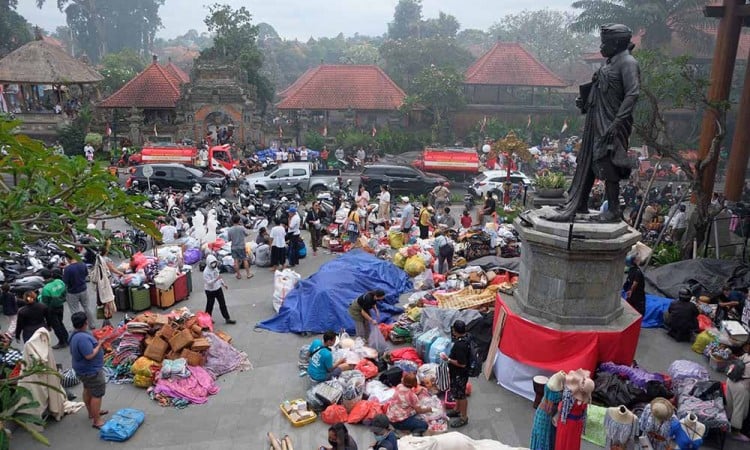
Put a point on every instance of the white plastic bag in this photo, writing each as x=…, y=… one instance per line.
x=283, y=283
x=424, y=280
x=377, y=341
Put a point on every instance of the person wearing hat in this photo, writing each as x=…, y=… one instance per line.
x=293, y=236
x=458, y=362
x=407, y=217
x=385, y=438
x=679, y=224
x=681, y=319
x=635, y=285
x=53, y=295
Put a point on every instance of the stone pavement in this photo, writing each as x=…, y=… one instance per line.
x=247, y=407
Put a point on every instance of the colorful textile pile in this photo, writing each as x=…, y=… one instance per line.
x=194, y=389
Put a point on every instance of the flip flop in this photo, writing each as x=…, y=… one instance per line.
x=98, y=427
x=238, y=276
x=103, y=412
x=250, y=276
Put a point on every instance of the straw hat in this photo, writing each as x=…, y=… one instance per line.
x=662, y=409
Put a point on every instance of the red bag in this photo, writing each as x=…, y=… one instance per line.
x=359, y=412
x=375, y=409
x=704, y=322
x=385, y=329
x=409, y=353
x=334, y=414
x=368, y=369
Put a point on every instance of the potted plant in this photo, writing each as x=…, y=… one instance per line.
x=550, y=185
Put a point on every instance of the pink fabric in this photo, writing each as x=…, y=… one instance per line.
x=194, y=389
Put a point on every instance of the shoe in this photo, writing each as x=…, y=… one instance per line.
x=231, y=321
x=739, y=437
x=59, y=346
x=459, y=422
x=453, y=413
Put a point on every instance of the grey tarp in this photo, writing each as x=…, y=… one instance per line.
x=701, y=276
x=496, y=262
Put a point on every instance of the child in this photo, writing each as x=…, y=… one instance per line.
x=278, y=246
x=466, y=220
x=10, y=307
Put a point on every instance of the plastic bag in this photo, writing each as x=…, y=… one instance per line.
x=377, y=341
x=414, y=265
x=701, y=342
x=396, y=239
x=334, y=414
x=192, y=256
x=283, y=282
x=204, y=320
x=123, y=425
x=424, y=281
x=399, y=260
x=368, y=368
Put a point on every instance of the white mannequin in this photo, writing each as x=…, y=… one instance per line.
x=199, y=228
x=557, y=381
x=211, y=225
x=621, y=414
x=692, y=427
x=621, y=426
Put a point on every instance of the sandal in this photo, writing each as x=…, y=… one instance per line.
x=98, y=427
x=103, y=412
x=250, y=275
x=458, y=422
x=238, y=276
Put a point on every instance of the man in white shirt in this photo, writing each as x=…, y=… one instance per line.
x=279, y=155
x=361, y=155
x=88, y=151
x=285, y=155
x=278, y=247
x=168, y=232
x=303, y=153
x=234, y=179
x=679, y=224
x=339, y=153
x=294, y=236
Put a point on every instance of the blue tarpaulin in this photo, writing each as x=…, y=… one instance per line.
x=321, y=302
x=655, y=308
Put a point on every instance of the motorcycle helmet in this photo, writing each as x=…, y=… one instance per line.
x=154, y=188
x=284, y=199
x=196, y=188
x=685, y=294
x=223, y=202
x=251, y=209
x=292, y=209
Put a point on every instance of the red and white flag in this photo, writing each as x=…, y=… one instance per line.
x=281, y=132
x=484, y=124
x=565, y=126
x=156, y=133
x=374, y=130
x=108, y=131
x=528, y=124
x=325, y=131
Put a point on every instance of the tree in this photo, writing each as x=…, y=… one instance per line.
x=438, y=91
x=364, y=53
x=55, y=197
x=119, y=68
x=658, y=20
x=406, y=20
x=669, y=84
x=235, y=41
x=547, y=35
x=14, y=29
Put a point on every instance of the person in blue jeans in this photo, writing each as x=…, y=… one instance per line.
x=88, y=362
x=403, y=410
x=321, y=366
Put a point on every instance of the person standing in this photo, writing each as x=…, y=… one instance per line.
x=235, y=175
x=293, y=234
x=679, y=224
x=361, y=311
x=87, y=358
x=213, y=284
x=407, y=218
x=362, y=199
x=10, y=307
x=351, y=225
x=458, y=361
x=442, y=195
x=74, y=277
x=324, y=158
x=53, y=296
x=278, y=247
x=425, y=219
x=384, y=205
x=313, y=218
x=236, y=235
x=635, y=287
x=303, y=154
x=31, y=317
x=444, y=250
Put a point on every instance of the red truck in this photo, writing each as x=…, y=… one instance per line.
x=456, y=163
x=217, y=158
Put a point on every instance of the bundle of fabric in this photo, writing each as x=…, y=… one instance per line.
x=175, y=368
x=222, y=358
x=450, y=441
x=685, y=376
x=637, y=376
x=119, y=362
x=195, y=389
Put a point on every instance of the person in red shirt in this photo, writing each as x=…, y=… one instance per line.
x=466, y=220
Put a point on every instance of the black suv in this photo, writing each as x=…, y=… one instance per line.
x=402, y=180
x=177, y=176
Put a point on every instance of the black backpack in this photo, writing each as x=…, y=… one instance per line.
x=736, y=370
x=474, y=368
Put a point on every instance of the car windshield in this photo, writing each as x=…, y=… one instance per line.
x=481, y=177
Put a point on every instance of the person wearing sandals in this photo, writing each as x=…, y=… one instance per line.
x=87, y=359
x=236, y=235
x=458, y=360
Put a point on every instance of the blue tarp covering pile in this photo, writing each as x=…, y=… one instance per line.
x=655, y=308
x=321, y=302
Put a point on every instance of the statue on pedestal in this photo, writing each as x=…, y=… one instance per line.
x=608, y=102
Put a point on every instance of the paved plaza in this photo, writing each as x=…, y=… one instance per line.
x=247, y=407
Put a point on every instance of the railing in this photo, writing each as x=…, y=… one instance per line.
x=728, y=236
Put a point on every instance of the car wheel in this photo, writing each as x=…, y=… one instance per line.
x=317, y=190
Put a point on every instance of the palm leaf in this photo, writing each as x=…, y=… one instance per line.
x=35, y=434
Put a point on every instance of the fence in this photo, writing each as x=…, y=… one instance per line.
x=728, y=235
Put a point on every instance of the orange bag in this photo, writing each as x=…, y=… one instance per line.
x=359, y=412
x=368, y=368
x=704, y=322
x=334, y=414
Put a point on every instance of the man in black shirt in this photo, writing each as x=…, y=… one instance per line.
x=635, y=289
x=361, y=312
x=681, y=319
x=458, y=361
x=488, y=209
x=730, y=304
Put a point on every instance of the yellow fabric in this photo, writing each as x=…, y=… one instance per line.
x=424, y=217
x=414, y=266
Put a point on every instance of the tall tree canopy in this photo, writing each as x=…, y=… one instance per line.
x=102, y=26
x=119, y=68
x=439, y=91
x=658, y=20
x=236, y=40
x=14, y=29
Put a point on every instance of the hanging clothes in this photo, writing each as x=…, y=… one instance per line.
x=570, y=426
x=657, y=431
x=43, y=387
x=104, y=294
x=543, y=432
x=620, y=436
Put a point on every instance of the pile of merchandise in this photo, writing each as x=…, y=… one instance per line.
x=177, y=356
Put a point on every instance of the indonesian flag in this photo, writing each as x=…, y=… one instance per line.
x=484, y=124
x=156, y=133
x=565, y=126
x=374, y=130
x=108, y=131
x=281, y=132
x=528, y=124
x=325, y=131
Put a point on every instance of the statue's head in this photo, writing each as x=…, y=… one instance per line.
x=615, y=39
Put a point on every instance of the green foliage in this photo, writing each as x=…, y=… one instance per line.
x=550, y=180
x=57, y=196
x=73, y=137
x=657, y=19
x=235, y=41
x=438, y=91
x=405, y=59
x=398, y=141
x=314, y=140
x=95, y=139
x=406, y=20
x=119, y=68
x=545, y=33
x=14, y=29
x=16, y=400
x=349, y=139
x=665, y=254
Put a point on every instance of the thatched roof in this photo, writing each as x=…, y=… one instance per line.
x=40, y=62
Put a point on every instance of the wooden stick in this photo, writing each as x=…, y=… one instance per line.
x=283, y=445
x=274, y=442
x=288, y=441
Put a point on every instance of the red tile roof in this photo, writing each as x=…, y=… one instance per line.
x=509, y=64
x=177, y=72
x=155, y=87
x=342, y=87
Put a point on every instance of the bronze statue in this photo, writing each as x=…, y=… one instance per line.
x=608, y=102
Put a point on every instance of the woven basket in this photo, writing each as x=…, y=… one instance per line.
x=466, y=298
x=156, y=350
x=166, y=332
x=181, y=340
x=192, y=358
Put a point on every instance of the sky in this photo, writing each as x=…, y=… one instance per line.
x=302, y=19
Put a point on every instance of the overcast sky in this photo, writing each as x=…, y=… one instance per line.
x=305, y=18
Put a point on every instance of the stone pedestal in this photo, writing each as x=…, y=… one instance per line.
x=572, y=276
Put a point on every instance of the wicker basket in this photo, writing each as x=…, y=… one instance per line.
x=181, y=340
x=192, y=358
x=166, y=332
x=156, y=349
x=466, y=298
